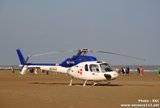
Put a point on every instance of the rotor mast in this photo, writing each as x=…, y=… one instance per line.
x=83, y=51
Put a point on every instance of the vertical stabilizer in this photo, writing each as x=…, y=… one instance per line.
x=20, y=56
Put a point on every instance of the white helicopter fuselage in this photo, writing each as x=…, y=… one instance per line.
x=92, y=71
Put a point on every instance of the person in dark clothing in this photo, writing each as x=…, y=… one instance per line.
x=127, y=70
x=138, y=71
x=122, y=70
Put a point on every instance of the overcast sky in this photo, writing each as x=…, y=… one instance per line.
x=126, y=26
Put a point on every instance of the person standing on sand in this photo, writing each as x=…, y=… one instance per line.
x=138, y=70
x=122, y=70
x=141, y=71
x=12, y=69
x=127, y=70
x=159, y=70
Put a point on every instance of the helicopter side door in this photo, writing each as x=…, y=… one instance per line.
x=90, y=71
x=94, y=68
x=95, y=72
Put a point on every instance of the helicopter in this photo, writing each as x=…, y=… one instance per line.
x=80, y=66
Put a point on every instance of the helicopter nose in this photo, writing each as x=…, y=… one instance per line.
x=112, y=76
x=108, y=77
x=115, y=75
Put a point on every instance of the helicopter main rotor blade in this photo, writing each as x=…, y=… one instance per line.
x=51, y=52
x=122, y=55
x=47, y=53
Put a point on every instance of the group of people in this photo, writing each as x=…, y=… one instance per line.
x=124, y=70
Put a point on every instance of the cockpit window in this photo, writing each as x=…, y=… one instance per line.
x=105, y=67
x=94, y=68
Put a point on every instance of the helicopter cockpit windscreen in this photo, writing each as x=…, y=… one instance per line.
x=105, y=67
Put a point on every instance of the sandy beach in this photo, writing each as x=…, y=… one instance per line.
x=52, y=91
